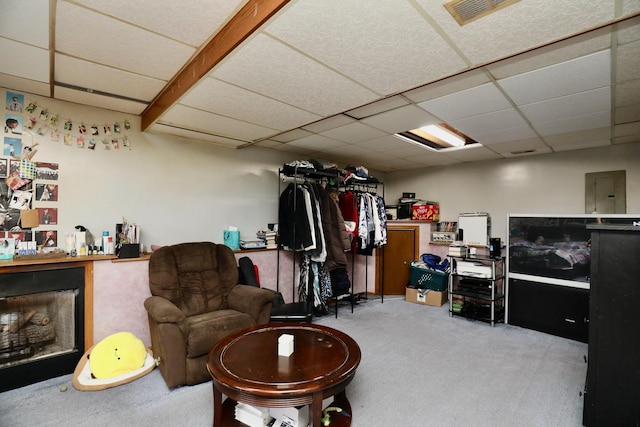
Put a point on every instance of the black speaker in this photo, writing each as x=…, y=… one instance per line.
x=495, y=247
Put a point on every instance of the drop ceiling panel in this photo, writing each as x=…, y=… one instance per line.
x=202, y=121
x=471, y=102
x=472, y=154
x=106, y=102
x=117, y=44
x=381, y=45
x=378, y=107
x=90, y=75
x=572, y=124
x=26, y=22
x=30, y=63
x=213, y=95
x=447, y=86
x=25, y=85
x=520, y=26
x=354, y=133
x=401, y=119
x=292, y=135
x=627, y=114
x=263, y=64
x=627, y=65
x=484, y=123
x=190, y=135
x=382, y=144
x=315, y=143
x=577, y=75
x=577, y=104
x=493, y=136
x=519, y=147
x=331, y=122
x=189, y=21
x=577, y=47
x=582, y=145
x=628, y=93
x=574, y=138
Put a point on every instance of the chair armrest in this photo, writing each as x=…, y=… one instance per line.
x=256, y=302
x=164, y=311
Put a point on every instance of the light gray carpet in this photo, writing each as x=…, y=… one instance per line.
x=419, y=367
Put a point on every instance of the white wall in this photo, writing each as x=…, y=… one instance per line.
x=549, y=183
x=177, y=190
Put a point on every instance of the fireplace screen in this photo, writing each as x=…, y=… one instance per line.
x=36, y=326
x=41, y=324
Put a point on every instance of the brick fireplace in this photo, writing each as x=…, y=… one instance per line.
x=42, y=323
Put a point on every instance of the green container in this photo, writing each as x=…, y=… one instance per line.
x=426, y=278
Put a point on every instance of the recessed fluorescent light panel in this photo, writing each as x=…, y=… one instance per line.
x=436, y=137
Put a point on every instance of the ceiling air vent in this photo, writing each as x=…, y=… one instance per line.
x=465, y=11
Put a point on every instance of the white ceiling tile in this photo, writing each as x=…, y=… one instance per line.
x=90, y=75
x=316, y=143
x=577, y=75
x=627, y=129
x=628, y=93
x=192, y=135
x=627, y=114
x=494, y=136
x=382, y=144
x=309, y=85
x=467, y=103
x=545, y=56
x=25, y=85
x=527, y=152
x=351, y=151
x=383, y=45
x=175, y=19
x=228, y=100
x=117, y=44
x=628, y=30
x=26, y=22
x=472, y=153
x=486, y=123
x=202, y=121
x=330, y=122
x=268, y=143
x=107, y=102
x=291, y=135
x=572, y=124
x=520, y=26
x=627, y=67
x=582, y=145
x=630, y=6
x=448, y=86
x=353, y=133
x=378, y=107
x=401, y=119
x=518, y=147
x=574, y=138
x=577, y=104
x=24, y=61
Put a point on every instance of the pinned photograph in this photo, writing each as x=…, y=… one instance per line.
x=47, y=192
x=15, y=102
x=13, y=124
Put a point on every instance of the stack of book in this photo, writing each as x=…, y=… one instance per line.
x=269, y=238
x=253, y=416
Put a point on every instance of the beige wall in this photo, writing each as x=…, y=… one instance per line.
x=549, y=183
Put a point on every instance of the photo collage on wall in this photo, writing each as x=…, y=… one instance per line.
x=28, y=189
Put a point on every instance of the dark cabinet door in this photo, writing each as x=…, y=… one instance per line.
x=556, y=310
x=612, y=396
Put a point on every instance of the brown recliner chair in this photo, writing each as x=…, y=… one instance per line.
x=196, y=302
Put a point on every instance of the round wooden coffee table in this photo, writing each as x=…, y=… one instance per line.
x=246, y=368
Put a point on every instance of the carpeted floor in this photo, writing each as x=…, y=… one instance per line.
x=420, y=367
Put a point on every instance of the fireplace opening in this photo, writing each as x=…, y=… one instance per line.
x=41, y=325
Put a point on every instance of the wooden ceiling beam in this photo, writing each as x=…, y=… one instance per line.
x=242, y=25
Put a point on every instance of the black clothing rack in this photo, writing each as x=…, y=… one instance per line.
x=367, y=186
x=301, y=310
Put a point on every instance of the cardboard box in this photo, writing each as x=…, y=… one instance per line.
x=426, y=297
x=428, y=211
